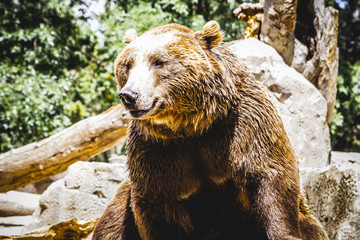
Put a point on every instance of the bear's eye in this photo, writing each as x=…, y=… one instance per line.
x=158, y=64
x=128, y=66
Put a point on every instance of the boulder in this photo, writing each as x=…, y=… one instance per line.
x=40, y=186
x=14, y=203
x=300, y=53
x=82, y=194
x=118, y=159
x=333, y=195
x=302, y=107
x=10, y=226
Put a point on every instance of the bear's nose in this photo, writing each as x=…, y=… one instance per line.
x=128, y=97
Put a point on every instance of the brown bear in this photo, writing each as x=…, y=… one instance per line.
x=208, y=155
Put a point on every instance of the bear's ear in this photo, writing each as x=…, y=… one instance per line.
x=212, y=34
x=130, y=35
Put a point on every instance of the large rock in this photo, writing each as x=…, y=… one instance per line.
x=15, y=203
x=10, y=226
x=40, y=186
x=301, y=106
x=333, y=194
x=82, y=194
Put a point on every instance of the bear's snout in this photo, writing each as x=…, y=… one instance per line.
x=128, y=97
x=138, y=105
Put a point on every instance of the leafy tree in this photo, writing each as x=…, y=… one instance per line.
x=47, y=77
x=194, y=13
x=345, y=126
x=43, y=34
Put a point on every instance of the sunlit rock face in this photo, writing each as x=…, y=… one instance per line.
x=333, y=194
x=301, y=106
x=83, y=194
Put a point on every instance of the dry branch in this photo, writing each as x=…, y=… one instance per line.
x=50, y=156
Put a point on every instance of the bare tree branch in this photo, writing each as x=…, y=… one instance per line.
x=50, y=156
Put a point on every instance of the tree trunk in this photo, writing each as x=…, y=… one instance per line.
x=278, y=27
x=326, y=55
x=50, y=156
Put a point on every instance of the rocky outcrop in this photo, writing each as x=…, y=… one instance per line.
x=300, y=104
x=15, y=203
x=82, y=194
x=10, y=226
x=333, y=194
x=40, y=186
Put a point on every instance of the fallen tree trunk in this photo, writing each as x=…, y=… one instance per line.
x=50, y=156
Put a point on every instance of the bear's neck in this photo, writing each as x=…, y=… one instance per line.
x=179, y=125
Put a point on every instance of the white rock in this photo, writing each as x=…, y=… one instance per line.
x=14, y=203
x=301, y=106
x=333, y=194
x=300, y=54
x=119, y=159
x=82, y=194
x=40, y=186
x=13, y=225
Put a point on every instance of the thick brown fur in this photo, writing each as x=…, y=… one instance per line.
x=213, y=161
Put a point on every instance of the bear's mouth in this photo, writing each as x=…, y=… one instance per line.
x=141, y=113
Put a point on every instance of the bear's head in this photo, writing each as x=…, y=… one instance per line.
x=174, y=81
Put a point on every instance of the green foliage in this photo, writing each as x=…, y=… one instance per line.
x=349, y=31
x=32, y=33
x=345, y=126
x=48, y=78
x=32, y=106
